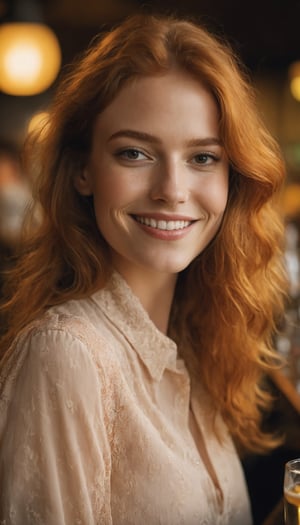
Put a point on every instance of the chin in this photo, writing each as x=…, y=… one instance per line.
x=171, y=267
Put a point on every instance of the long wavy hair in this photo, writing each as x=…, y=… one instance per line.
x=228, y=300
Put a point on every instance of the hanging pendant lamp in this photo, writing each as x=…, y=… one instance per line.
x=30, y=57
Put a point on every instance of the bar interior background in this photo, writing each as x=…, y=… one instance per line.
x=266, y=35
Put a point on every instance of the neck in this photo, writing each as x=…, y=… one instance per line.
x=155, y=291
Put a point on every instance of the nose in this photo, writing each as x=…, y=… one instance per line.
x=170, y=183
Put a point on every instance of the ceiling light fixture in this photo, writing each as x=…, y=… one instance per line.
x=30, y=56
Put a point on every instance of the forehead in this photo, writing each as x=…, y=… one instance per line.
x=173, y=99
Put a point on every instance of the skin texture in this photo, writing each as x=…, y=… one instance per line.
x=156, y=154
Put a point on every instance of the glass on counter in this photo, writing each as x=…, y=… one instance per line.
x=291, y=486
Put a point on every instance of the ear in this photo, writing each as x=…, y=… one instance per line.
x=82, y=182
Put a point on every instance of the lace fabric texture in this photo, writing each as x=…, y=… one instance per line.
x=94, y=412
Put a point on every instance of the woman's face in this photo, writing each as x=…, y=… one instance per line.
x=158, y=173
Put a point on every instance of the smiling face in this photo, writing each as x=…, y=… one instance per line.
x=158, y=173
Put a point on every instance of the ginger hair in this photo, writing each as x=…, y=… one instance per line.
x=229, y=298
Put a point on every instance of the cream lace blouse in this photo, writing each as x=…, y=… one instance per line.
x=94, y=425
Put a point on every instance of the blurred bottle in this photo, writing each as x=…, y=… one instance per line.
x=288, y=340
x=14, y=199
x=15, y=196
x=292, y=260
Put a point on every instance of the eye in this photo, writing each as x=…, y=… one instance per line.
x=131, y=154
x=205, y=158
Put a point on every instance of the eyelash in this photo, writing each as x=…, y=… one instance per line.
x=125, y=154
x=209, y=156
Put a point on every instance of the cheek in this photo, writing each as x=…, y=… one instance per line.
x=107, y=195
x=214, y=197
x=220, y=200
x=113, y=196
x=114, y=187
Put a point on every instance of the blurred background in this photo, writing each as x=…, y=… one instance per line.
x=38, y=38
x=264, y=33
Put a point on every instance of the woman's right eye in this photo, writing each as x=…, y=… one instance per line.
x=131, y=154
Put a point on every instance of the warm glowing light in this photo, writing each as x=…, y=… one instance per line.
x=30, y=58
x=294, y=73
x=295, y=87
x=23, y=63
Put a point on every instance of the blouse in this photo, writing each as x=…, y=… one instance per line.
x=95, y=408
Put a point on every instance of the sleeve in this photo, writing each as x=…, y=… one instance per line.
x=55, y=457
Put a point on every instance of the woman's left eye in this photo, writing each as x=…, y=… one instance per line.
x=205, y=158
x=131, y=154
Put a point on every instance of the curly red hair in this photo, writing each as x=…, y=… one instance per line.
x=229, y=298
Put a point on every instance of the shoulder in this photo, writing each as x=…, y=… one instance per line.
x=66, y=333
x=60, y=347
x=60, y=359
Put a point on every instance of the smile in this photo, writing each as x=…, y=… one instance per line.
x=162, y=224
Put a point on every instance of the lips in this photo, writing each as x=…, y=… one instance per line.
x=161, y=224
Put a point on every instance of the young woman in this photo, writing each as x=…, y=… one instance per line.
x=141, y=313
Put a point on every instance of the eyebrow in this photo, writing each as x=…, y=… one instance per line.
x=147, y=137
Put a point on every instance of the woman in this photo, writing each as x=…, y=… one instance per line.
x=142, y=312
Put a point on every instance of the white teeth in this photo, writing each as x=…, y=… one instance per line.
x=163, y=225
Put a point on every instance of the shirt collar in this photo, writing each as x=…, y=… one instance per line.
x=124, y=310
